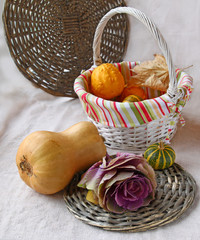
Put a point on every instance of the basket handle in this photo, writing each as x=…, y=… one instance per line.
x=172, y=89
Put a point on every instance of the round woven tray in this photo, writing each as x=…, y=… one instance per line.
x=174, y=194
x=51, y=41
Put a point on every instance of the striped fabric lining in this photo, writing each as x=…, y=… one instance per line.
x=116, y=114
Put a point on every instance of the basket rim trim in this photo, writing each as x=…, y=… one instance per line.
x=125, y=114
x=82, y=77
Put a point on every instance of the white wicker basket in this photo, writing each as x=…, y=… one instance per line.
x=133, y=135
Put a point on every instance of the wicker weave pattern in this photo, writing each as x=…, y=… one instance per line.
x=174, y=195
x=137, y=139
x=51, y=41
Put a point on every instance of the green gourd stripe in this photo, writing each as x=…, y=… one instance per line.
x=164, y=160
x=170, y=149
x=159, y=160
x=150, y=155
x=171, y=153
x=169, y=157
x=155, y=159
x=153, y=147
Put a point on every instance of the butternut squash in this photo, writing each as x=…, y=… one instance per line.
x=47, y=161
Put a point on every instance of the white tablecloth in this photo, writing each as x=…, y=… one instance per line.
x=25, y=214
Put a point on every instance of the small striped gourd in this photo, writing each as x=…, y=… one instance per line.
x=132, y=98
x=160, y=155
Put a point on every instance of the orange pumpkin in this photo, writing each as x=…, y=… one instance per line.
x=132, y=90
x=107, y=81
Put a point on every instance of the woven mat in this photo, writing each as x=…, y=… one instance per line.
x=51, y=41
x=174, y=195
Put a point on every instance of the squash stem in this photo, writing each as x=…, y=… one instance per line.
x=161, y=145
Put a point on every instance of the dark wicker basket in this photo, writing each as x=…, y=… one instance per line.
x=51, y=41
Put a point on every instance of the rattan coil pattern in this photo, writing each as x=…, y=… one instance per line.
x=51, y=41
x=174, y=195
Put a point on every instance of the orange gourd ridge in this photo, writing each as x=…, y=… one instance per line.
x=107, y=81
x=131, y=90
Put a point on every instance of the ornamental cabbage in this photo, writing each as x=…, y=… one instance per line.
x=125, y=182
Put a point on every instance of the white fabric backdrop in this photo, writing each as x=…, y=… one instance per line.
x=25, y=214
